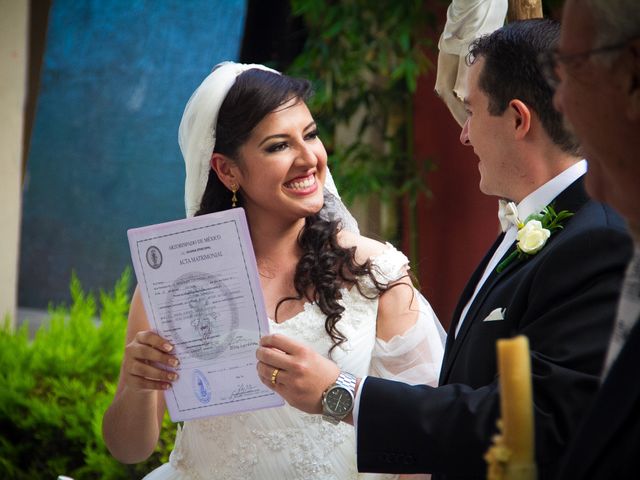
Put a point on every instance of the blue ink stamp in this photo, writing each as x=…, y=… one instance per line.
x=201, y=388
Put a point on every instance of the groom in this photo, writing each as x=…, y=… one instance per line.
x=561, y=292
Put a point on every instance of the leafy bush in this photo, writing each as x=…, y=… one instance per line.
x=55, y=388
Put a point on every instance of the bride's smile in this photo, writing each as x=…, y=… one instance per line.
x=282, y=166
x=302, y=185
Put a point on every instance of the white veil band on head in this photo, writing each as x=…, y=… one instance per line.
x=197, y=139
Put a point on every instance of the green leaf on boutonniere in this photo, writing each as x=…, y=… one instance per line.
x=532, y=238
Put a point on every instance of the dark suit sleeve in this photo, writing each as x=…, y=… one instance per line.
x=565, y=302
x=412, y=429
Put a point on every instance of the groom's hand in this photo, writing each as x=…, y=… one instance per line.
x=302, y=374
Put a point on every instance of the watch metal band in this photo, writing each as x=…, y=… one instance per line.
x=348, y=381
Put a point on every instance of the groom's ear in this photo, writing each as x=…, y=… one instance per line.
x=520, y=118
x=225, y=168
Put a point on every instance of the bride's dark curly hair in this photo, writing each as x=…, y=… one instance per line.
x=325, y=267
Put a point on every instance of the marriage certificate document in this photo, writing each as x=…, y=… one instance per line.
x=201, y=291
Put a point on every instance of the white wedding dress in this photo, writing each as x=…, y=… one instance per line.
x=285, y=444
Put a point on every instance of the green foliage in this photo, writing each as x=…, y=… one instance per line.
x=364, y=58
x=55, y=388
x=549, y=219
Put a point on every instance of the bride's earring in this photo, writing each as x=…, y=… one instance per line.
x=234, y=198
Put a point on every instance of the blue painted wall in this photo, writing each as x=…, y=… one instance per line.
x=104, y=155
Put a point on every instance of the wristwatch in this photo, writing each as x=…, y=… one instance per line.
x=337, y=400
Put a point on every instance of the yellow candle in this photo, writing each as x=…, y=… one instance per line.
x=516, y=404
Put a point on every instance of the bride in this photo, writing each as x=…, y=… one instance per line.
x=249, y=140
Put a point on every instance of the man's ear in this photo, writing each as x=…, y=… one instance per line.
x=226, y=169
x=520, y=117
x=632, y=71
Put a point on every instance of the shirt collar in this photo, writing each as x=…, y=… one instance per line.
x=544, y=195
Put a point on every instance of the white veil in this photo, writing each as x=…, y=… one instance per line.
x=197, y=139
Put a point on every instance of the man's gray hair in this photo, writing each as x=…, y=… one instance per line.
x=615, y=20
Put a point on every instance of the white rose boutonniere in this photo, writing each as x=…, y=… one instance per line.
x=532, y=237
x=533, y=234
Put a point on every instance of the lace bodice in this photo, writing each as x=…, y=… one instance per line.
x=284, y=443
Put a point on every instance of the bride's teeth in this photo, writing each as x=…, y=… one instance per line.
x=306, y=183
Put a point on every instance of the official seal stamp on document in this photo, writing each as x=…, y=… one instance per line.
x=154, y=257
x=201, y=387
x=209, y=305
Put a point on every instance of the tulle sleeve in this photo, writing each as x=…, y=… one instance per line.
x=414, y=357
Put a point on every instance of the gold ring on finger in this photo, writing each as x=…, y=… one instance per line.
x=274, y=375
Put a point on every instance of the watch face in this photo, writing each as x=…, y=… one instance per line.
x=339, y=400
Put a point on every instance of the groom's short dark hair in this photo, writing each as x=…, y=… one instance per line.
x=511, y=71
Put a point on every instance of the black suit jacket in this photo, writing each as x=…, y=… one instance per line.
x=607, y=444
x=564, y=299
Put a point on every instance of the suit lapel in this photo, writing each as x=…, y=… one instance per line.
x=464, y=298
x=455, y=345
x=571, y=199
